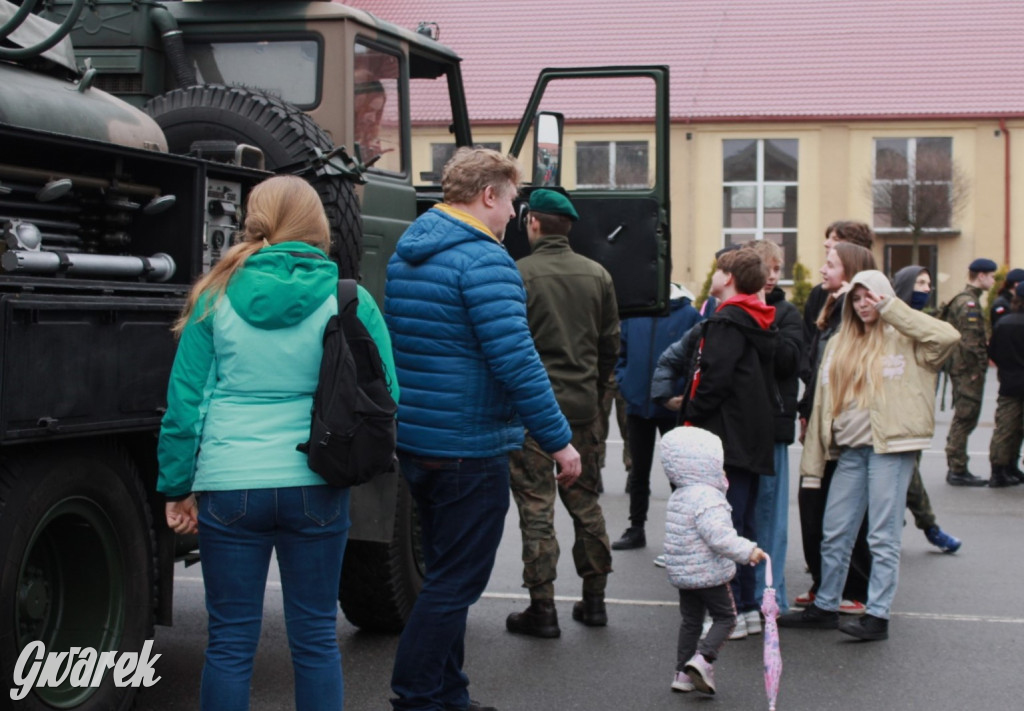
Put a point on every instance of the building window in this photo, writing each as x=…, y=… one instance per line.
x=913, y=181
x=441, y=153
x=612, y=165
x=759, y=193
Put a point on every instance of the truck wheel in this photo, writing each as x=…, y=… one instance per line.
x=285, y=135
x=78, y=570
x=380, y=581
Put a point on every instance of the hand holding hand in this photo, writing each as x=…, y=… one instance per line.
x=569, y=466
x=182, y=516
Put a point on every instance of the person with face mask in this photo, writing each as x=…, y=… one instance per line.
x=913, y=285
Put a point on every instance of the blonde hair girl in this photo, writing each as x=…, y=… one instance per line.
x=283, y=208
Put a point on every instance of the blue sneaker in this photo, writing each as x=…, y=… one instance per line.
x=942, y=540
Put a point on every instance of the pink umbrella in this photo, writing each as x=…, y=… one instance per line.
x=772, y=654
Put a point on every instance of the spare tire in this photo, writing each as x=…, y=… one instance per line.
x=283, y=132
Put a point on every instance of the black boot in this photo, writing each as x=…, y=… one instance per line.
x=633, y=537
x=1016, y=473
x=591, y=610
x=964, y=478
x=1001, y=477
x=540, y=619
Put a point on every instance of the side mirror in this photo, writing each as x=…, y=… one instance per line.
x=547, y=149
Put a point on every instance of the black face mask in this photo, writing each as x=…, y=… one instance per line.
x=918, y=300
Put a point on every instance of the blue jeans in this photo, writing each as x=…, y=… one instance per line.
x=308, y=527
x=773, y=525
x=742, y=496
x=462, y=505
x=865, y=480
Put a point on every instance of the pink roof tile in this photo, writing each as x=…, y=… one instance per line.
x=742, y=59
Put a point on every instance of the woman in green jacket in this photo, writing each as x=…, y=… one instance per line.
x=238, y=403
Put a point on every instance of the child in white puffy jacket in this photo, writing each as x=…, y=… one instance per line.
x=701, y=546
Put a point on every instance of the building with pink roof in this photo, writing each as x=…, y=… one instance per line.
x=786, y=114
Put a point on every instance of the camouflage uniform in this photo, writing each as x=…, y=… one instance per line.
x=612, y=398
x=1009, y=428
x=533, y=486
x=967, y=368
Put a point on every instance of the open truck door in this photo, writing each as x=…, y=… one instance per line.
x=611, y=158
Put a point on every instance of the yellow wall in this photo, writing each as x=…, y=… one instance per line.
x=835, y=168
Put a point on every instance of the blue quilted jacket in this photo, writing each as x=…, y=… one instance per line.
x=471, y=378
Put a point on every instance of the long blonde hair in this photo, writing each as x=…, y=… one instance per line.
x=855, y=370
x=283, y=208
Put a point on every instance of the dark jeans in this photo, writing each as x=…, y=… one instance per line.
x=742, y=496
x=641, y=448
x=692, y=604
x=238, y=530
x=462, y=505
x=812, y=516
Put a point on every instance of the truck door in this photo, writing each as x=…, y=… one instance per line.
x=601, y=135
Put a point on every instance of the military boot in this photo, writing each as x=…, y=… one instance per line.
x=1001, y=477
x=591, y=610
x=540, y=619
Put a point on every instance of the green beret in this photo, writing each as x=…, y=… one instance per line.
x=552, y=203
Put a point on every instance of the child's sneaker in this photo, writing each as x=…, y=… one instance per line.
x=660, y=561
x=681, y=682
x=753, y=620
x=701, y=673
x=740, y=630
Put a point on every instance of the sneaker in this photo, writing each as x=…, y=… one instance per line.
x=633, y=537
x=660, y=561
x=852, y=607
x=740, y=630
x=681, y=682
x=867, y=627
x=964, y=479
x=701, y=673
x=804, y=599
x=753, y=620
x=812, y=617
x=942, y=540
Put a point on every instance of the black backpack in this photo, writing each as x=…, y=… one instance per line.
x=353, y=431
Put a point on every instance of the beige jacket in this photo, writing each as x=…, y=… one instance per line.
x=903, y=420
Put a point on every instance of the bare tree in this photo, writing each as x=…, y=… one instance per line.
x=926, y=192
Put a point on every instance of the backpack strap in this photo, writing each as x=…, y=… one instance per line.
x=347, y=297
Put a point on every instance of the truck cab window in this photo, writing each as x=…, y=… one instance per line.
x=377, y=109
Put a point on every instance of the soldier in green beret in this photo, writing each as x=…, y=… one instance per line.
x=574, y=319
x=967, y=367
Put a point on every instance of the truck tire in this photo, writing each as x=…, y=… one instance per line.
x=78, y=567
x=380, y=581
x=285, y=135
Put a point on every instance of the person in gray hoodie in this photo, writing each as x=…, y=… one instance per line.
x=913, y=285
x=701, y=551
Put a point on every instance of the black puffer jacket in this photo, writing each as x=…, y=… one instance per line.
x=736, y=397
x=1006, y=349
x=789, y=354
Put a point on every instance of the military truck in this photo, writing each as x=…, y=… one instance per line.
x=368, y=112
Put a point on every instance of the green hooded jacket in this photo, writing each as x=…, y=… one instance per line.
x=241, y=389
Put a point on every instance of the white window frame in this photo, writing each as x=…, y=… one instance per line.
x=612, y=164
x=758, y=231
x=909, y=182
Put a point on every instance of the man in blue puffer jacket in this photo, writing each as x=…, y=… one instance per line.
x=471, y=379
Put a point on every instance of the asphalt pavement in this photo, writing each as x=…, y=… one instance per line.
x=956, y=636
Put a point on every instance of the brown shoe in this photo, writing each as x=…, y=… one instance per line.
x=540, y=619
x=591, y=610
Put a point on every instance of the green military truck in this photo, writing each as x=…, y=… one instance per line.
x=103, y=232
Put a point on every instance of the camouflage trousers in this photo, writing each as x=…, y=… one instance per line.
x=917, y=499
x=1009, y=432
x=967, y=395
x=533, y=488
x=602, y=425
